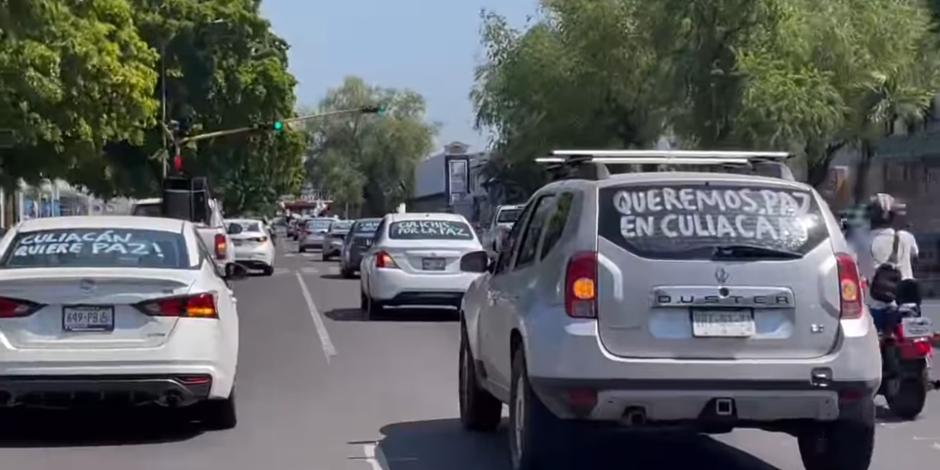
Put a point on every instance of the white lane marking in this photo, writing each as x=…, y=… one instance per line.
x=309, y=270
x=289, y=255
x=936, y=446
x=328, y=349
x=375, y=457
x=281, y=271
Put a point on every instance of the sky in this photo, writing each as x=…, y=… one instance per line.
x=429, y=46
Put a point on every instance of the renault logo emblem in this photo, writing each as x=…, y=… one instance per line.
x=721, y=275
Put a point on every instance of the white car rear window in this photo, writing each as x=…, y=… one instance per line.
x=97, y=248
x=430, y=230
x=693, y=220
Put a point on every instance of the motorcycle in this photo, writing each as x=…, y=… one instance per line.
x=906, y=352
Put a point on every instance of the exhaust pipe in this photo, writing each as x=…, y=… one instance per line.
x=634, y=416
x=172, y=399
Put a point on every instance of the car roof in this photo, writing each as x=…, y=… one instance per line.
x=148, y=201
x=103, y=221
x=397, y=217
x=676, y=177
x=369, y=219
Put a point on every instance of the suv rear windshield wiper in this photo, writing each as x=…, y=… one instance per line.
x=752, y=251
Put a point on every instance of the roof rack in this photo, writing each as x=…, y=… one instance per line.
x=562, y=160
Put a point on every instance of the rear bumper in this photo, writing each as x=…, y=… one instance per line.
x=71, y=390
x=735, y=403
x=562, y=354
x=388, y=284
x=255, y=258
x=427, y=298
x=311, y=242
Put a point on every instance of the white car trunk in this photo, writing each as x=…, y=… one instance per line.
x=61, y=291
x=430, y=256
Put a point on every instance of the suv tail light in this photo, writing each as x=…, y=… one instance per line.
x=384, y=260
x=12, y=308
x=850, y=286
x=581, y=285
x=221, y=247
x=190, y=306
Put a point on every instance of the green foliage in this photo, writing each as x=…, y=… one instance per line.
x=74, y=75
x=799, y=75
x=368, y=160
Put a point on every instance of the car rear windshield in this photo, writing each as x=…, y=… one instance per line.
x=368, y=226
x=340, y=226
x=97, y=248
x=319, y=224
x=701, y=220
x=430, y=230
x=508, y=216
x=248, y=226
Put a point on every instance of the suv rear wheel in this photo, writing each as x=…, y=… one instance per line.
x=536, y=436
x=843, y=445
x=479, y=410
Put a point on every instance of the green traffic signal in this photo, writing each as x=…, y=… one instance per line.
x=278, y=126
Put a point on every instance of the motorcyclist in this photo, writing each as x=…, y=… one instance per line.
x=875, y=248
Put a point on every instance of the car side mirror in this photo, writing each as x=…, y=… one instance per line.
x=475, y=262
x=235, y=272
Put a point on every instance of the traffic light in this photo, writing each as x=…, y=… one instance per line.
x=278, y=126
x=380, y=110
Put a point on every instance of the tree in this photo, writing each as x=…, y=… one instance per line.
x=585, y=75
x=75, y=76
x=225, y=68
x=366, y=159
x=776, y=74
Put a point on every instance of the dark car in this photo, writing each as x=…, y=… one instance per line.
x=357, y=241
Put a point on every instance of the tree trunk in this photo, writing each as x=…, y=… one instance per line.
x=861, y=179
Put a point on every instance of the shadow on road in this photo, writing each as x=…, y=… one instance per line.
x=437, y=444
x=92, y=428
x=395, y=315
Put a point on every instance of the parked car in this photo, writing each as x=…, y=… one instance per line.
x=313, y=233
x=415, y=260
x=355, y=244
x=702, y=299
x=116, y=309
x=254, y=244
x=333, y=245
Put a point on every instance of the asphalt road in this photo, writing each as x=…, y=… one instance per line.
x=321, y=388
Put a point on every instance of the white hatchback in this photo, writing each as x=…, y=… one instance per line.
x=415, y=260
x=254, y=247
x=115, y=309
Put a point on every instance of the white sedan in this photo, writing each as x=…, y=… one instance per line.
x=415, y=260
x=254, y=248
x=106, y=308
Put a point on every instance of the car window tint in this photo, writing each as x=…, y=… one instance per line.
x=556, y=223
x=530, y=237
x=508, y=247
x=367, y=226
x=98, y=248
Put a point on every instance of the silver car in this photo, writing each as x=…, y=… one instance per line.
x=313, y=233
x=645, y=300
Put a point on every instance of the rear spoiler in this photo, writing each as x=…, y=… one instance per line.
x=762, y=162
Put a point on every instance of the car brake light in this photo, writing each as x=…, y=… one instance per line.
x=221, y=246
x=12, y=308
x=191, y=306
x=384, y=260
x=850, y=290
x=581, y=285
x=260, y=239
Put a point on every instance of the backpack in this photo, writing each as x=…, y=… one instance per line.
x=884, y=284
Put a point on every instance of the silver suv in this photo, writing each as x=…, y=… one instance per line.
x=672, y=299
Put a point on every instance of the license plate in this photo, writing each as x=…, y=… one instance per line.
x=917, y=327
x=88, y=318
x=723, y=323
x=433, y=264
x=238, y=242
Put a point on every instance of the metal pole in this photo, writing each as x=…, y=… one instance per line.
x=163, y=103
